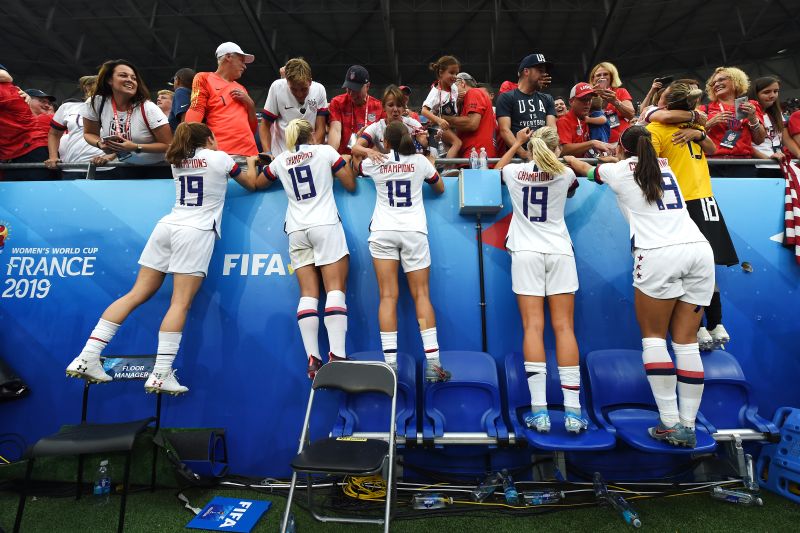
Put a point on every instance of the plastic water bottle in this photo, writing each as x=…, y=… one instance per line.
x=483, y=159
x=431, y=500
x=102, y=484
x=290, y=524
x=486, y=488
x=736, y=496
x=542, y=497
x=473, y=159
x=509, y=489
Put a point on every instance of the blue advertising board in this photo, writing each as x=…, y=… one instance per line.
x=70, y=248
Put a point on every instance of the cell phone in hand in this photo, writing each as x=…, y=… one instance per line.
x=666, y=80
x=741, y=114
x=113, y=138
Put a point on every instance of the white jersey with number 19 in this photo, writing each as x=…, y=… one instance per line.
x=538, y=200
x=307, y=178
x=201, y=182
x=398, y=183
x=653, y=225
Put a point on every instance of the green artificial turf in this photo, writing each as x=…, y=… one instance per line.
x=161, y=512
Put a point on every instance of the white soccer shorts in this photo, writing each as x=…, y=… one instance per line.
x=540, y=274
x=177, y=249
x=683, y=271
x=318, y=245
x=409, y=247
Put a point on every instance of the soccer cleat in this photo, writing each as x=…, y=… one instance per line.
x=333, y=357
x=314, y=364
x=720, y=337
x=540, y=421
x=704, y=340
x=89, y=369
x=575, y=423
x=434, y=373
x=677, y=435
x=164, y=382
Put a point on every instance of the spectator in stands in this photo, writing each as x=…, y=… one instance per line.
x=71, y=148
x=573, y=132
x=442, y=101
x=561, y=106
x=182, y=83
x=120, y=119
x=793, y=127
x=220, y=101
x=40, y=102
x=606, y=82
x=766, y=92
x=352, y=111
x=488, y=89
x=475, y=123
x=733, y=131
x=599, y=130
x=410, y=112
x=370, y=143
x=525, y=106
x=164, y=100
x=295, y=96
x=653, y=95
x=20, y=140
x=507, y=86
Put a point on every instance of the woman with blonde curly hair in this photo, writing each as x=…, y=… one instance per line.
x=619, y=110
x=734, y=131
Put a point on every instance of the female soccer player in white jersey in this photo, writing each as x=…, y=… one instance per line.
x=181, y=244
x=399, y=236
x=673, y=276
x=543, y=266
x=316, y=236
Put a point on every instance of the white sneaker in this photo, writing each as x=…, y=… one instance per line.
x=88, y=368
x=705, y=340
x=720, y=336
x=168, y=382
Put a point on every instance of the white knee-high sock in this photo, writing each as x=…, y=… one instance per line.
x=101, y=335
x=661, y=375
x=389, y=346
x=168, y=344
x=430, y=344
x=570, y=377
x=336, y=322
x=308, y=322
x=690, y=381
x=537, y=384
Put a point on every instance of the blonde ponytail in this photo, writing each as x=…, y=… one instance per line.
x=542, y=146
x=297, y=132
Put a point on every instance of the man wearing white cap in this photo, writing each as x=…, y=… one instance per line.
x=223, y=104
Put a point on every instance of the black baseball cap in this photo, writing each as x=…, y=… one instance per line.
x=406, y=89
x=356, y=77
x=534, y=60
x=38, y=93
x=2, y=67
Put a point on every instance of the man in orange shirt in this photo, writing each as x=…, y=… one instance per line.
x=223, y=104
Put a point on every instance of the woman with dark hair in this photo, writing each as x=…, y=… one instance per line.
x=399, y=236
x=317, y=244
x=181, y=244
x=673, y=277
x=120, y=119
x=766, y=92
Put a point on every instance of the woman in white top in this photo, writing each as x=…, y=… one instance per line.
x=673, y=277
x=370, y=143
x=766, y=91
x=316, y=237
x=120, y=119
x=543, y=266
x=399, y=236
x=181, y=244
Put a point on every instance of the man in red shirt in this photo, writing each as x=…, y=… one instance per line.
x=223, y=104
x=572, y=129
x=794, y=126
x=352, y=111
x=475, y=123
x=21, y=140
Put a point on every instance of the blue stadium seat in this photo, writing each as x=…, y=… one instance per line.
x=469, y=402
x=622, y=402
x=519, y=404
x=366, y=412
x=727, y=398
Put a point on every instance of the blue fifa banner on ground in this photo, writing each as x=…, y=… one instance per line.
x=229, y=514
x=70, y=248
